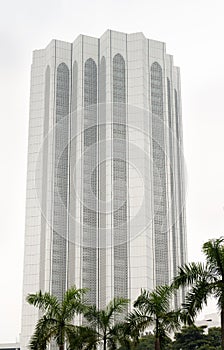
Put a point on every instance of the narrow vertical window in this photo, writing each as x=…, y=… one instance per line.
x=102, y=184
x=72, y=164
x=74, y=85
x=61, y=182
x=179, y=172
x=119, y=178
x=90, y=179
x=159, y=176
x=45, y=179
x=176, y=114
x=181, y=208
x=173, y=227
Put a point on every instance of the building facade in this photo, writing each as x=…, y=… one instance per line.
x=10, y=346
x=105, y=179
x=209, y=320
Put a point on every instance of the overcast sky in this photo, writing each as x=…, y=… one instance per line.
x=193, y=31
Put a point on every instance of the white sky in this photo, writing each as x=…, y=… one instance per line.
x=193, y=31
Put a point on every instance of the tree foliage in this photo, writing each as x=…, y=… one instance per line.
x=192, y=337
x=205, y=280
x=114, y=326
x=153, y=309
x=107, y=323
x=57, y=321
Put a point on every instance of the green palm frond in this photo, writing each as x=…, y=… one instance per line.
x=45, y=329
x=104, y=321
x=153, y=308
x=70, y=331
x=156, y=301
x=104, y=318
x=205, y=280
x=73, y=302
x=116, y=306
x=185, y=317
x=125, y=334
x=57, y=321
x=112, y=342
x=81, y=337
x=136, y=322
x=219, y=294
x=197, y=297
x=189, y=273
x=171, y=321
x=95, y=317
x=214, y=252
x=45, y=302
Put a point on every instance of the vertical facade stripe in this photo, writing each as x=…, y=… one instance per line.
x=61, y=181
x=74, y=85
x=173, y=227
x=120, y=235
x=90, y=180
x=102, y=183
x=44, y=191
x=181, y=207
x=72, y=164
x=179, y=171
x=159, y=176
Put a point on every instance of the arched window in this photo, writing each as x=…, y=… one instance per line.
x=157, y=90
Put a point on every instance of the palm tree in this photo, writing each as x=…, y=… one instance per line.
x=205, y=279
x=57, y=320
x=153, y=308
x=106, y=321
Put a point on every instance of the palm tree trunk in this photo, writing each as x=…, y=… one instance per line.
x=157, y=344
x=222, y=327
x=157, y=341
x=104, y=343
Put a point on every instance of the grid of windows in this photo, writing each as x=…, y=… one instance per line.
x=74, y=85
x=119, y=178
x=181, y=209
x=102, y=184
x=60, y=182
x=71, y=269
x=176, y=114
x=44, y=180
x=90, y=177
x=172, y=180
x=159, y=176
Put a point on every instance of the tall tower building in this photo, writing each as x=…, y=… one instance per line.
x=105, y=183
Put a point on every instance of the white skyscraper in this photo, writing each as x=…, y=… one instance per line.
x=105, y=185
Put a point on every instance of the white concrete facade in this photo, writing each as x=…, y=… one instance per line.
x=105, y=180
x=209, y=320
x=10, y=346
